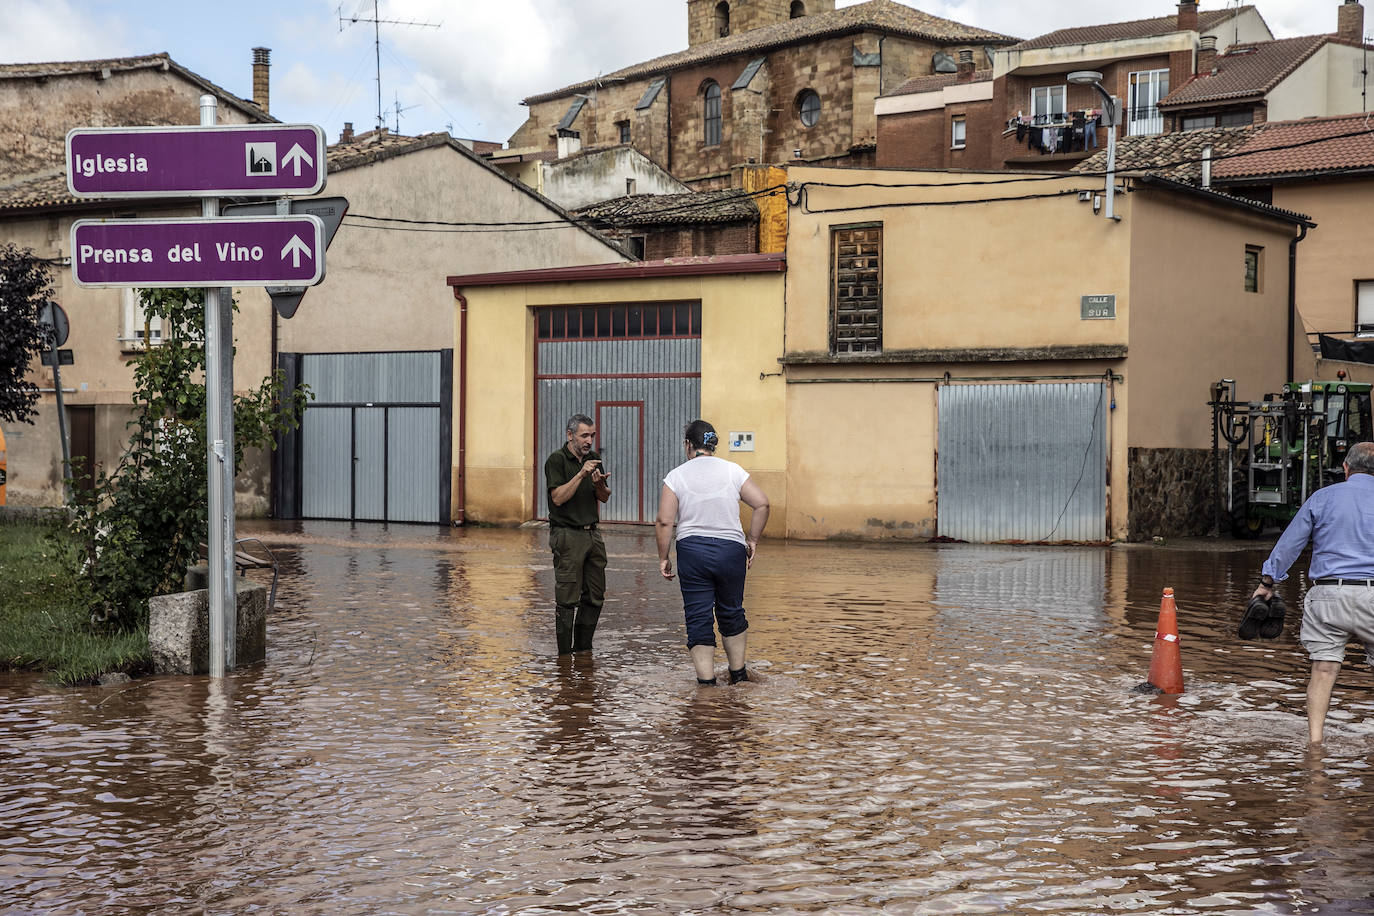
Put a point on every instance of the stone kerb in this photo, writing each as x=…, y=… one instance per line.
x=179, y=629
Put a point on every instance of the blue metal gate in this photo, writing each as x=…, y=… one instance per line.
x=375, y=443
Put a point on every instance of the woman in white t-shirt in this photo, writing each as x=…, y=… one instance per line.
x=701, y=497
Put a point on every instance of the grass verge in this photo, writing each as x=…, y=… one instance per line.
x=44, y=625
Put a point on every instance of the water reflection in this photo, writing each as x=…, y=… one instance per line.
x=944, y=729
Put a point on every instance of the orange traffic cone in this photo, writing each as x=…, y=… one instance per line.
x=1166, y=664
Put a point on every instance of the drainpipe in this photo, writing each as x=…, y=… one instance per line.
x=461, y=515
x=1293, y=294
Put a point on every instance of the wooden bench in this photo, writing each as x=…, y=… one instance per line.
x=244, y=561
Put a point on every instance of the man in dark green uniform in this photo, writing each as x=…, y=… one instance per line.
x=576, y=483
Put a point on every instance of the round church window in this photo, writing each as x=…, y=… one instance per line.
x=809, y=107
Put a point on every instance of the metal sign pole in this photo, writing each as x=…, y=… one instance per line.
x=219, y=457
x=61, y=418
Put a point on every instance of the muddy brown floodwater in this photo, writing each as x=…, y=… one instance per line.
x=935, y=729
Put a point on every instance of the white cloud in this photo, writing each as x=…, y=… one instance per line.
x=47, y=30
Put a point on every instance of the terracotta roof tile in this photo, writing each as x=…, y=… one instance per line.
x=938, y=81
x=47, y=189
x=159, y=61
x=1120, y=31
x=879, y=15
x=1301, y=147
x=1177, y=156
x=1245, y=71
x=725, y=206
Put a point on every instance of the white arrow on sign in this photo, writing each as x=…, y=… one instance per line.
x=294, y=157
x=296, y=248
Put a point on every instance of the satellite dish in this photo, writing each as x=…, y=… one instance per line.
x=941, y=62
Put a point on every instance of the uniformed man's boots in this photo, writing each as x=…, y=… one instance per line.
x=585, y=627
x=563, y=629
x=582, y=637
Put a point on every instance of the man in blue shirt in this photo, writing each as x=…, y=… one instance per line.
x=1339, y=520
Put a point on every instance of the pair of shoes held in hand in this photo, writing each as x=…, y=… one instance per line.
x=1262, y=619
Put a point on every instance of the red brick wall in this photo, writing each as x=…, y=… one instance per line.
x=921, y=139
x=687, y=241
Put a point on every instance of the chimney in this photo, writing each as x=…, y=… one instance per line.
x=1206, y=54
x=1187, y=16
x=1350, y=21
x=569, y=142
x=346, y=135
x=262, y=63
x=966, y=67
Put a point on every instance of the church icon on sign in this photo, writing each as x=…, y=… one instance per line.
x=262, y=158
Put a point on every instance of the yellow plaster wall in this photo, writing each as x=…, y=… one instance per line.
x=995, y=274
x=742, y=339
x=1194, y=323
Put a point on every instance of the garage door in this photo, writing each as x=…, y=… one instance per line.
x=1022, y=462
x=635, y=370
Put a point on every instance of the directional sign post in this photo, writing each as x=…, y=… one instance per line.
x=208, y=161
x=248, y=251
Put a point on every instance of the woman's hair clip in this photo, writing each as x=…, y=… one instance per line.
x=708, y=438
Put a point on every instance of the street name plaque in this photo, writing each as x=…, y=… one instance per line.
x=209, y=252
x=251, y=159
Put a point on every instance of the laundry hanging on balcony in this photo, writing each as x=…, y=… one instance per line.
x=1057, y=133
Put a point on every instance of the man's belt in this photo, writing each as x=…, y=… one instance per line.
x=1343, y=581
x=591, y=527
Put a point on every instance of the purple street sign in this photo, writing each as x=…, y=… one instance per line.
x=257, y=159
x=248, y=251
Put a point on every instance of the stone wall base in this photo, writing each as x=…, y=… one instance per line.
x=1171, y=492
x=179, y=629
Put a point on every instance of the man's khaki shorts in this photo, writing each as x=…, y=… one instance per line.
x=1333, y=614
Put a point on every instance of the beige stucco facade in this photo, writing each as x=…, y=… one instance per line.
x=38, y=105
x=1333, y=258
x=741, y=387
x=975, y=290
x=979, y=292
x=384, y=283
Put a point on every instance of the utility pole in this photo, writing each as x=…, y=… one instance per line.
x=377, y=23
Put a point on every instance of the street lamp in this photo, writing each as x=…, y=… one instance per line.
x=1094, y=79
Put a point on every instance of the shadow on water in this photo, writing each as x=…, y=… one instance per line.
x=934, y=729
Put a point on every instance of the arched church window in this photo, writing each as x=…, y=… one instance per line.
x=711, y=113
x=722, y=18
x=809, y=108
x=798, y=9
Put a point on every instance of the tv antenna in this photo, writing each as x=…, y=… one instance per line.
x=377, y=23
x=397, y=108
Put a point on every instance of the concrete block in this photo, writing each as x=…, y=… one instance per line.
x=179, y=629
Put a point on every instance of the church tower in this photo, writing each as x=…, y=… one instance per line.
x=708, y=20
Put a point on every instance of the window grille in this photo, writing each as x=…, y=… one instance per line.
x=856, y=316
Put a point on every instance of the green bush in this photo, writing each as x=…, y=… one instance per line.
x=134, y=535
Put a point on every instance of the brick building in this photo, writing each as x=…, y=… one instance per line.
x=761, y=81
x=1024, y=113
x=1192, y=70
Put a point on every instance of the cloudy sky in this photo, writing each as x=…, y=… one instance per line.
x=468, y=72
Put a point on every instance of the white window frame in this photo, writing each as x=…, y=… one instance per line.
x=1364, y=308
x=1042, y=97
x=958, y=132
x=131, y=335
x=1156, y=84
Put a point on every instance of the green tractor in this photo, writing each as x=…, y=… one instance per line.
x=1281, y=449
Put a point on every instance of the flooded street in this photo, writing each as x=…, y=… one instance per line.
x=934, y=729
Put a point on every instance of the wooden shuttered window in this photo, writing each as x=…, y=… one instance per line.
x=856, y=270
